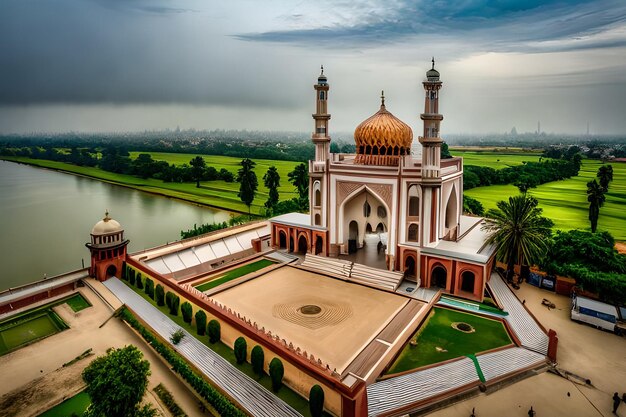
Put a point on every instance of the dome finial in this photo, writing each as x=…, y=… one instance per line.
x=322, y=70
x=106, y=216
x=382, y=98
x=433, y=63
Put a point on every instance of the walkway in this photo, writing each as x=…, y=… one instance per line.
x=251, y=396
x=528, y=331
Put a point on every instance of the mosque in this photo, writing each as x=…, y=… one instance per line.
x=339, y=294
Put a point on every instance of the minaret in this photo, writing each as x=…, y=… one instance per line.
x=320, y=134
x=431, y=142
x=318, y=174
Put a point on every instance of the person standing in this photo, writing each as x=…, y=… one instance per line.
x=616, y=401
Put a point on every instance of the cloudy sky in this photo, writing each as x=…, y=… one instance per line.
x=128, y=65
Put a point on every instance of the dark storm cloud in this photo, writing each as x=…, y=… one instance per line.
x=503, y=26
x=76, y=51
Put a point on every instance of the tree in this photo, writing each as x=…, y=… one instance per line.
x=316, y=401
x=117, y=382
x=257, y=358
x=214, y=330
x=595, y=197
x=139, y=282
x=248, y=183
x=519, y=232
x=241, y=350
x=197, y=169
x=159, y=295
x=473, y=206
x=149, y=288
x=271, y=180
x=334, y=147
x=200, y=322
x=605, y=176
x=445, y=151
x=187, y=311
x=299, y=177
x=277, y=371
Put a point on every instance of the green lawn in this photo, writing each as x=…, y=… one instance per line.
x=292, y=398
x=565, y=202
x=74, y=406
x=437, y=332
x=77, y=302
x=235, y=273
x=218, y=194
x=495, y=159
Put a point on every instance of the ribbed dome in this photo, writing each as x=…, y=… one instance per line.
x=106, y=226
x=383, y=134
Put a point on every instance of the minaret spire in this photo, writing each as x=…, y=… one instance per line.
x=320, y=136
x=382, y=98
x=430, y=140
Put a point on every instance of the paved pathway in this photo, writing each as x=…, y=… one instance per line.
x=255, y=399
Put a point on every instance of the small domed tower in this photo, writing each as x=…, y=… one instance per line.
x=108, y=249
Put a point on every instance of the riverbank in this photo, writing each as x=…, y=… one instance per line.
x=213, y=194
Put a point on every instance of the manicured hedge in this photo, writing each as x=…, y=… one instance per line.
x=172, y=301
x=241, y=350
x=200, y=322
x=139, y=282
x=159, y=294
x=316, y=401
x=169, y=401
x=221, y=404
x=149, y=289
x=187, y=312
x=131, y=277
x=215, y=331
x=277, y=371
x=257, y=357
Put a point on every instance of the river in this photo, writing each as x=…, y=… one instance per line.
x=46, y=218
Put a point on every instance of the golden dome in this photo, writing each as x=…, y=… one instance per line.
x=383, y=134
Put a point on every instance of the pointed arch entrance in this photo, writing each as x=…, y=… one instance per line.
x=282, y=240
x=439, y=277
x=319, y=245
x=111, y=271
x=303, y=244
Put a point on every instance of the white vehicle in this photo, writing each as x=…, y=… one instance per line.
x=594, y=312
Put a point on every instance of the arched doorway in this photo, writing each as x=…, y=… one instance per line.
x=282, y=240
x=368, y=228
x=318, y=245
x=468, y=279
x=111, y=271
x=302, y=244
x=353, y=236
x=439, y=277
x=409, y=267
x=291, y=247
x=380, y=228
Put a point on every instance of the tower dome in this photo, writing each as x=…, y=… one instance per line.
x=382, y=138
x=106, y=226
x=432, y=74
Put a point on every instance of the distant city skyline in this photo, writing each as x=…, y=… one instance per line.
x=112, y=65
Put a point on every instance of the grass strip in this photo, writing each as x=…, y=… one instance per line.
x=169, y=401
x=74, y=406
x=235, y=273
x=218, y=401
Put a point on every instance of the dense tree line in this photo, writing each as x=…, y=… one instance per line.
x=596, y=191
x=525, y=176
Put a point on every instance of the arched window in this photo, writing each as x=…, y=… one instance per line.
x=413, y=230
x=414, y=201
x=367, y=209
x=382, y=213
x=318, y=220
x=322, y=95
x=467, y=281
x=317, y=194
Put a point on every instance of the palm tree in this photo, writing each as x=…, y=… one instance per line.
x=595, y=196
x=605, y=176
x=271, y=180
x=518, y=230
x=299, y=177
x=248, y=182
x=197, y=169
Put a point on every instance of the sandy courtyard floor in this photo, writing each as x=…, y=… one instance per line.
x=340, y=320
x=583, y=350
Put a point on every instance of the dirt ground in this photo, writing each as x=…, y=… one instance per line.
x=621, y=247
x=33, y=379
x=583, y=350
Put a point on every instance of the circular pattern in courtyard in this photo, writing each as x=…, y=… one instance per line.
x=313, y=313
x=310, y=309
x=463, y=327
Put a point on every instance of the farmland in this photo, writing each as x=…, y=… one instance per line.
x=565, y=202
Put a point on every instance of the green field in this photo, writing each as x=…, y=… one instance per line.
x=29, y=327
x=565, y=202
x=70, y=407
x=218, y=194
x=235, y=273
x=495, y=159
x=437, y=332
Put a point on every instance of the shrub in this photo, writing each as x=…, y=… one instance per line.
x=277, y=371
x=174, y=304
x=187, y=311
x=169, y=401
x=257, y=357
x=149, y=289
x=316, y=401
x=125, y=272
x=200, y=322
x=159, y=295
x=214, y=331
x=139, y=282
x=241, y=350
x=177, y=336
x=168, y=299
x=131, y=277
